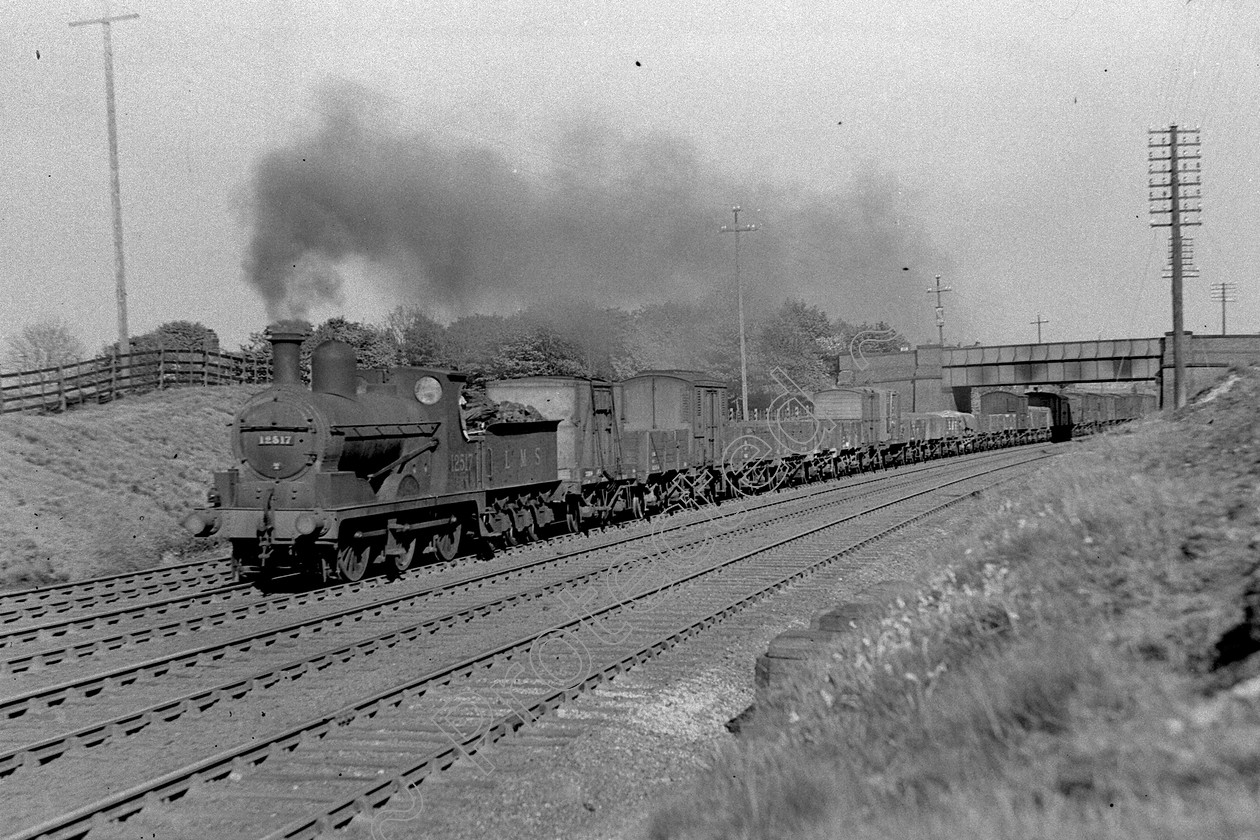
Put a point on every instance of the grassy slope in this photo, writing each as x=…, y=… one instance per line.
x=102, y=489
x=1086, y=670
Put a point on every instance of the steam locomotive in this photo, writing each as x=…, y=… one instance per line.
x=367, y=466
x=382, y=466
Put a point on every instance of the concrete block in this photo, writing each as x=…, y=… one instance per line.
x=837, y=619
x=772, y=670
x=799, y=644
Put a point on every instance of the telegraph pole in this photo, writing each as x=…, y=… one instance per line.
x=737, y=229
x=938, y=290
x=1224, y=292
x=120, y=274
x=1039, y=322
x=1175, y=192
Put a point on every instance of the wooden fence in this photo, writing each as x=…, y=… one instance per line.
x=104, y=378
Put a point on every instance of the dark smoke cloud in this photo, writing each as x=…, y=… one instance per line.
x=607, y=218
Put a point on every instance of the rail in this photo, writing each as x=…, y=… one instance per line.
x=105, y=378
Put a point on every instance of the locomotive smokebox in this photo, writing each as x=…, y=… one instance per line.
x=333, y=369
x=286, y=347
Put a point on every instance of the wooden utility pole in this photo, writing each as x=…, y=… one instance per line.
x=120, y=274
x=938, y=290
x=737, y=229
x=1223, y=292
x=1175, y=192
x=1039, y=322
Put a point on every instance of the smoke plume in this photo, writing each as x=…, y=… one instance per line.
x=599, y=216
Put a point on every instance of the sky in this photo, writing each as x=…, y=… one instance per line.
x=327, y=157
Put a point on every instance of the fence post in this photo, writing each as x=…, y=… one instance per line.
x=61, y=386
x=205, y=367
x=161, y=368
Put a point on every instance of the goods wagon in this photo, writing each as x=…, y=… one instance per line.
x=596, y=479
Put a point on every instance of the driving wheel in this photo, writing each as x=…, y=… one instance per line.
x=353, y=560
x=446, y=542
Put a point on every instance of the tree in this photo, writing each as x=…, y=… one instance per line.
x=178, y=335
x=541, y=352
x=374, y=347
x=600, y=335
x=794, y=339
x=474, y=342
x=44, y=344
x=698, y=335
x=421, y=340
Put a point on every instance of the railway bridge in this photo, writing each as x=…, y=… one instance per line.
x=936, y=378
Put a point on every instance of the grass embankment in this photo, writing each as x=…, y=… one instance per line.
x=1087, y=669
x=102, y=489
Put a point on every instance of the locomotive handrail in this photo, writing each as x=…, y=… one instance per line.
x=367, y=431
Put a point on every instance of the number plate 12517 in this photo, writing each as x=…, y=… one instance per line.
x=275, y=440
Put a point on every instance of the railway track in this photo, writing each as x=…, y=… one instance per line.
x=61, y=605
x=74, y=637
x=41, y=602
x=391, y=733
x=268, y=643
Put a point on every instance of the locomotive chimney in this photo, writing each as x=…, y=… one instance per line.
x=286, y=347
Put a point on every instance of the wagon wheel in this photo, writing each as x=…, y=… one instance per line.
x=353, y=560
x=446, y=542
x=712, y=495
x=573, y=517
x=721, y=489
x=637, y=507
x=402, y=561
x=509, y=537
x=529, y=533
